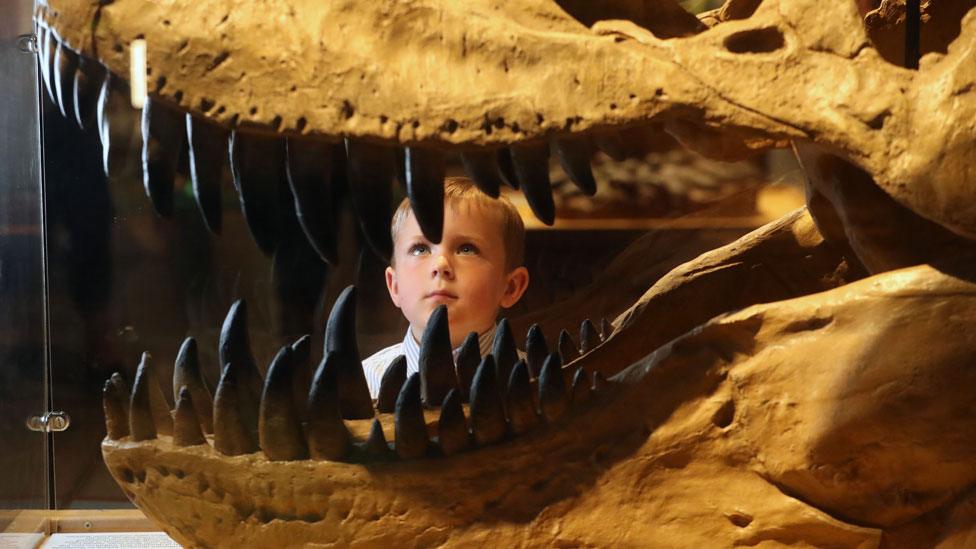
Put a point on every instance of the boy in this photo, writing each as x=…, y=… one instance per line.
x=475, y=270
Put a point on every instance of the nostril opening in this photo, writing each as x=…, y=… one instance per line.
x=765, y=40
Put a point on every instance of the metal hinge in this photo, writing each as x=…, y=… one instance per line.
x=27, y=43
x=51, y=422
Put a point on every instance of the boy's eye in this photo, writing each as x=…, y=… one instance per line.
x=467, y=249
x=418, y=249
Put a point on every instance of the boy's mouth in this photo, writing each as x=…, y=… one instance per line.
x=441, y=294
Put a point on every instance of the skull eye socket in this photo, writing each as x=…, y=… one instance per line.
x=765, y=40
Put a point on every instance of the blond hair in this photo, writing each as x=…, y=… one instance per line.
x=463, y=190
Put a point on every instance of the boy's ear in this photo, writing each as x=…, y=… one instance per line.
x=515, y=285
x=392, y=287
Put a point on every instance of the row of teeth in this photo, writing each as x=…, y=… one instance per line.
x=248, y=413
x=300, y=177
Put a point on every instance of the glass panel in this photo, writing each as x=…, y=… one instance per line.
x=23, y=458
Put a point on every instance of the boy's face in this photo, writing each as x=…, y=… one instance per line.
x=466, y=272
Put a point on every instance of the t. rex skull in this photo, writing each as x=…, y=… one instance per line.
x=758, y=394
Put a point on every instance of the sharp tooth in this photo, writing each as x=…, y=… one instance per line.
x=532, y=169
x=186, y=373
x=121, y=388
x=279, y=428
x=452, y=429
x=487, y=412
x=45, y=58
x=328, y=437
x=233, y=435
x=114, y=407
x=589, y=338
x=536, y=350
x=162, y=138
x=393, y=379
x=376, y=444
x=302, y=378
x=436, y=361
x=207, y=155
x=518, y=399
x=257, y=166
x=157, y=398
x=612, y=144
x=605, y=329
x=482, y=168
x=371, y=169
x=581, y=388
x=425, y=187
x=142, y=423
x=235, y=348
x=574, y=156
x=408, y=421
x=88, y=78
x=310, y=178
x=101, y=119
x=340, y=340
x=599, y=382
x=65, y=64
x=186, y=426
x=469, y=356
x=507, y=167
x=504, y=351
x=553, y=399
x=568, y=351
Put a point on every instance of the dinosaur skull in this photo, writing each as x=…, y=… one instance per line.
x=760, y=393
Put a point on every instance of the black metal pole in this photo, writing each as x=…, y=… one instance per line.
x=913, y=27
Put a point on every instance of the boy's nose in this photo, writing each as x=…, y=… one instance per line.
x=442, y=267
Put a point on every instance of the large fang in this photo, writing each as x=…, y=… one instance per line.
x=122, y=389
x=310, y=177
x=116, y=416
x=589, y=337
x=141, y=424
x=468, y=358
x=504, y=351
x=411, y=439
x=157, y=399
x=328, y=437
x=553, y=399
x=581, y=390
x=279, y=428
x=536, y=350
x=393, y=379
x=207, y=155
x=452, y=428
x=532, y=169
x=435, y=360
x=302, y=376
x=186, y=427
x=567, y=348
x=88, y=79
x=506, y=167
x=163, y=136
x=376, y=444
x=482, y=168
x=257, y=166
x=186, y=373
x=235, y=348
x=425, y=187
x=487, y=412
x=233, y=435
x=371, y=168
x=518, y=399
x=340, y=341
x=574, y=157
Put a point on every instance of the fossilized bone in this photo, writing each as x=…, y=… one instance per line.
x=759, y=393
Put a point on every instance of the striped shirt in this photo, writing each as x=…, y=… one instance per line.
x=376, y=365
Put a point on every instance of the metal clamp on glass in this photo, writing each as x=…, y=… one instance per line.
x=51, y=422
